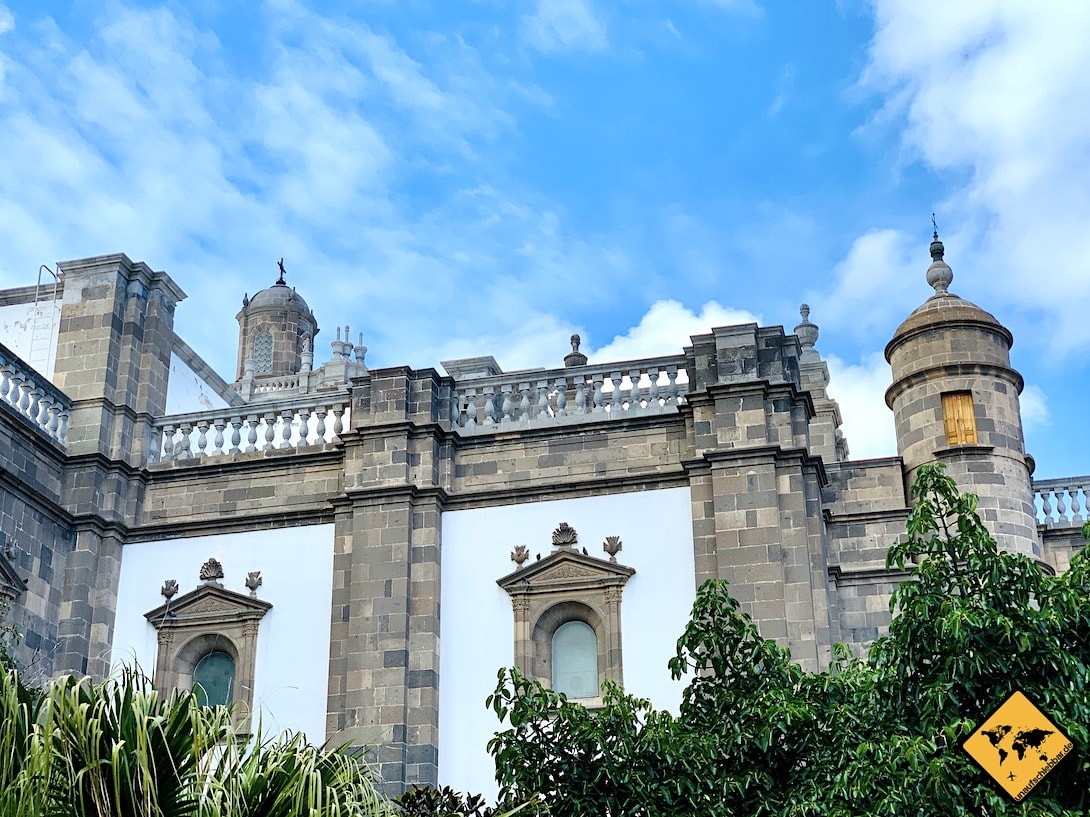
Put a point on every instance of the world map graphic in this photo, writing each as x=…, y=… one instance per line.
x=1024, y=740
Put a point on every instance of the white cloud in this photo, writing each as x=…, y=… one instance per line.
x=7, y=19
x=666, y=328
x=860, y=390
x=1034, y=405
x=882, y=274
x=564, y=25
x=1000, y=93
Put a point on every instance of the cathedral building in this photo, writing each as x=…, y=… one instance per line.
x=355, y=552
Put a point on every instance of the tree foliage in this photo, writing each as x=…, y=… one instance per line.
x=757, y=735
x=117, y=749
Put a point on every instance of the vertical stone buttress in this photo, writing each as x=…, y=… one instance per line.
x=756, y=487
x=950, y=346
x=113, y=359
x=384, y=655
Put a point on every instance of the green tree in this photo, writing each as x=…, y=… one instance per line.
x=117, y=749
x=756, y=735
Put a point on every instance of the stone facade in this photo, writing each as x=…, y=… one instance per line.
x=741, y=418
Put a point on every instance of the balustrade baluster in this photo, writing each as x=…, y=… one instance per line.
x=182, y=452
x=1061, y=506
x=270, y=431
x=562, y=397
x=168, y=443
x=635, y=399
x=33, y=391
x=319, y=428
x=220, y=423
x=251, y=436
x=40, y=408
x=236, y=434
x=202, y=437
x=5, y=379
x=597, y=398
x=1080, y=510
x=62, y=432
x=304, y=428
x=543, y=400
x=489, y=405
x=155, y=442
x=508, y=407
x=338, y=423
x=524, y=405
x=653, y=390
x=1046, y=507
x=671, y=388
x=581, y=394
x=616, y=378
x=54, y=419
x=24, y=395
x=471, y=408
x=286, y=418
x=455, y=407
x=15, y=393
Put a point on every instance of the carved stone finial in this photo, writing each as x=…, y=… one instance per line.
x=245, y=299
x=211, y=570
x=253, y=581
x=612, y=545
x=169, y=589
x=520, y=554
x=806, y=332
x=939, y=274
x=565, y=536
x=575, y=357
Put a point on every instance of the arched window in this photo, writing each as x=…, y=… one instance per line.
x=214, y=679
x=263, y=351
x=575, y=660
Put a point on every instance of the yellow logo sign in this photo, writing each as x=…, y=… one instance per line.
x=1017, y=746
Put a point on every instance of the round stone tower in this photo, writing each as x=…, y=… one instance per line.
x=276, y=330
x=955, y=400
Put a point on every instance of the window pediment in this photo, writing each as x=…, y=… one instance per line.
x=565, y=570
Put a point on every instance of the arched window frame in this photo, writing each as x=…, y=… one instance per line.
x=209, y=619
x=567, y=586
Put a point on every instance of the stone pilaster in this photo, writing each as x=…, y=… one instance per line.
x=114, y=344
x=756, y=487
x=384, y=670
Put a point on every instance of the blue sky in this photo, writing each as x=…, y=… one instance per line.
x=485, y=177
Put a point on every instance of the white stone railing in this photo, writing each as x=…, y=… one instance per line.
x=1062, y=503
x=30, y=394
x=230, y=431
x=531, y=399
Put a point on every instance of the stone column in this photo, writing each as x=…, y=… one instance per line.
x=114, y=345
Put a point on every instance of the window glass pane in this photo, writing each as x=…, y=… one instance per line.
x=575, y=660
x=214, y=679
x=263, y=349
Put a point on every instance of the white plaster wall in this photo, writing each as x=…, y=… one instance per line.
x=292, y=664
x=477, y=625
x=31, y=332
x=186, y=391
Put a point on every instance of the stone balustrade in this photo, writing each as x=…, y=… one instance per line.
x=31, y=395
x=546, y=397
x=252, y=428
x=1062, y=503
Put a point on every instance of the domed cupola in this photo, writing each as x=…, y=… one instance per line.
x=275, y=330
x=955, y=400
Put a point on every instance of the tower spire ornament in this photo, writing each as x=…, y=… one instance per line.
x=283, y=272
x=939, y=274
